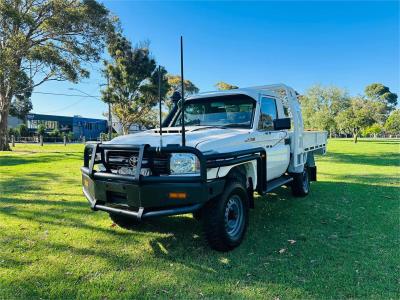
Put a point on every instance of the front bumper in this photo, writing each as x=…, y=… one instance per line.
x=141, y=196
x=146, y=199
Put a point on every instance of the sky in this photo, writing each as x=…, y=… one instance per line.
x=347, y=44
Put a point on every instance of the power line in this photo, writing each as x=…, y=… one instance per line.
x=73, y=104
x=68, y=95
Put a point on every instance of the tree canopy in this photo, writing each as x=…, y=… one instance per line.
x=174, y=82
x=42, y=40
x=358, y=116
x=320, y=105
x=379, y=92
x=392, y=124
x=223, y=86
x=132, y=88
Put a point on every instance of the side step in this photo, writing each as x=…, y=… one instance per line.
x=275, y=183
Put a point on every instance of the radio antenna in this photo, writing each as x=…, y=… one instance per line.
x=159, y=97
x=182, y=98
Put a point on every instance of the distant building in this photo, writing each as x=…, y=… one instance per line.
x=14, y=122
x=81, y=127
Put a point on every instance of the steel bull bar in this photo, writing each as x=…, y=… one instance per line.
x=95, y=153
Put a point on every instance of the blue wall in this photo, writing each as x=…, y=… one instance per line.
x=89, y=128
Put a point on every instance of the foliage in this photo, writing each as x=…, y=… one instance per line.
x=23, y=130
x=392, y=125
x=41, y=130
x=104, y=136
x=70, y=136
x=358, y=116
x=373, y=130
x=174, y=82
x=133, y=82
x=21, y=104
x=55, y=133
x=222, y=86
x=379, y=92
x=13, y=131
x=20, y=107
x=47, y=226
x=47, y=40
x=320, y=106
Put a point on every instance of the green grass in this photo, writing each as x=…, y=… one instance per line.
x=346, y=233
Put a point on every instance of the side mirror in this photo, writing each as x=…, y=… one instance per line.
x=280, y=124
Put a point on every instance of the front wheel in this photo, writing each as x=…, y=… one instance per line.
x=301, y=183
x=226, y=217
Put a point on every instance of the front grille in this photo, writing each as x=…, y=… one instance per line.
x=158, y=163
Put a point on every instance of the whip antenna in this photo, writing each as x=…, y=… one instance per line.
x=159, y=98
x=182, y=98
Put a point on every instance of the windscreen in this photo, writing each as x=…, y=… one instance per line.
x=225, y=111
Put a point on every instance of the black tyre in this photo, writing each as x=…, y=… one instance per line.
x=197, y=215
x=226, y=217
x=301, y=183
x=124, y=222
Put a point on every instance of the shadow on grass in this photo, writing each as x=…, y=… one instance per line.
x=12, y=160
x=378, y=159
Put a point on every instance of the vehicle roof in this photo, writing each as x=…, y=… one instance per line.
x=250, y=91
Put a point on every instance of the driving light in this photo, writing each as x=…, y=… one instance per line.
x=184, y=163
x=177, y=195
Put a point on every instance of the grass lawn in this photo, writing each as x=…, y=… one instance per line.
x=346, y=231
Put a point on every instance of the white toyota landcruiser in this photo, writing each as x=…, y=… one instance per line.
x=232, y=144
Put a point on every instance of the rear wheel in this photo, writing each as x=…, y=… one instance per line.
x=124, y=222
x=225, y=218
x=301, y=183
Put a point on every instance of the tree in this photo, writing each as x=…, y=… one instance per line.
x=12, y=131
x=47, y=40
x=379, y=92
x=392, y=125
x=133, y=82
x=20, y=107
x=374, y=130
x=174, y=82
x=21, y=104
x=22, y=130
x=320, y=106
x=359, y=115
x=55, y=133
x=223, y=86
x=41, y=130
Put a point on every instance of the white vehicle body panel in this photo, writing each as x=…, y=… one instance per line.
x=282, y=157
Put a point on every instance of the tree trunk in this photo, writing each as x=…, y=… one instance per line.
x=125, y=128
x=355, y=136
x=4, y=107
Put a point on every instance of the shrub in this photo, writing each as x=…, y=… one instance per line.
x=55, y=133
x=13, y=132
x=41, y=130
x=70, y=136
x=23, y=130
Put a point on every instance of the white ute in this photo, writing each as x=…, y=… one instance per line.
x=250, y=139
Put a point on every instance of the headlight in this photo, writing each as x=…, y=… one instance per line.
x=184, y=163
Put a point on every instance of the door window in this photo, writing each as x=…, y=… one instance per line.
x=268, y=114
